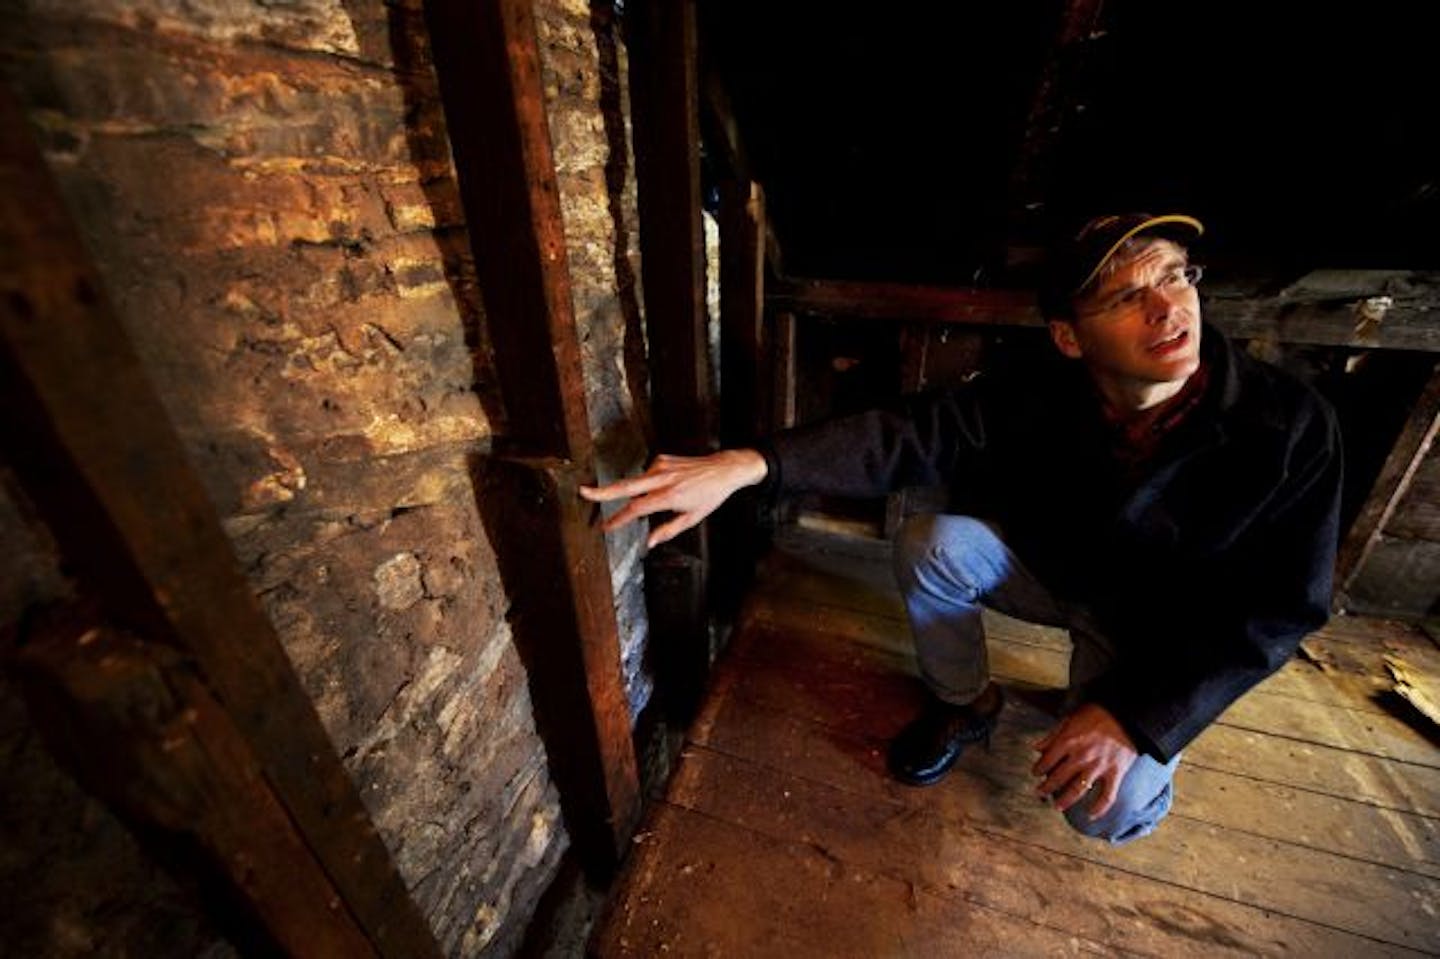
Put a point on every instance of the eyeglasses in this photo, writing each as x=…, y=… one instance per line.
x=1172, y=281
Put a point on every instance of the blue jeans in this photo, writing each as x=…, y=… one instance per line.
x=949, y=567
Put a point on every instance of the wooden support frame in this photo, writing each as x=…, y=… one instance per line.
x=551, y=551
x=135, y=724
x=94, y=449
x=664, y=94
x=665, y=110
x=1409, y=323
x=744, y=388
x=1410, y=447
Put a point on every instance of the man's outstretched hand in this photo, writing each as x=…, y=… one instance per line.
x=691, y=487
x=1089, y=749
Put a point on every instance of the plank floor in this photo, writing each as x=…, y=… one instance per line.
x=1306, y=823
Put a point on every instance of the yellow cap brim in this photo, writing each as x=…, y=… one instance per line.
x=1178, y=219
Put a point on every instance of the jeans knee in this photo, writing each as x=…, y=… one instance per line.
x=927, y=538
x=1123, y=822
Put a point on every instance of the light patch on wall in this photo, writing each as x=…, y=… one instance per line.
x=398, y=581
x=304, y=24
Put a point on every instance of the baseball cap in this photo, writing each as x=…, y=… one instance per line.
x=1074, y=263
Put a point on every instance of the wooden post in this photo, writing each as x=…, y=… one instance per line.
x=551, y=552
x=743, y=392
x=664, y=97
x=665, y=103
x=91, y=444
x=783, y=411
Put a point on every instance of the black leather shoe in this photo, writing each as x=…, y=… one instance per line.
x=926, y=749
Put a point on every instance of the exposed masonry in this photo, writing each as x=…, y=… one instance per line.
x=268, y=194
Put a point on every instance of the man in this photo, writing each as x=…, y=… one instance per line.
x=1170, y=501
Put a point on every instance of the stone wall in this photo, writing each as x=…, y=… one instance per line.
x=268, y=194
x=584, y=72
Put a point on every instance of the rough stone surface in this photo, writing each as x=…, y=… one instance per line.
x=583, y=70
x=267, y=192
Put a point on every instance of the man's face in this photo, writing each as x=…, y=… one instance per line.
x=1140, y=327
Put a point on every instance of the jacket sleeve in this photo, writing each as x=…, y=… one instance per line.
x=921, y=439
x=1280, y=577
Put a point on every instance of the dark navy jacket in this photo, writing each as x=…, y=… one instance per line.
x=1207, y=570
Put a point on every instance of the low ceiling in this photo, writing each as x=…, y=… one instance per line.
x=892, y=141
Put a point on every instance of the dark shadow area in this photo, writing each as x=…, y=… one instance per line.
x=429, y=142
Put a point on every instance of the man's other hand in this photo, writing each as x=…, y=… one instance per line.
x=691, y=487
x=1088, y=750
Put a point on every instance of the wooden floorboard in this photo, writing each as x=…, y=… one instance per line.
x=1306, y=823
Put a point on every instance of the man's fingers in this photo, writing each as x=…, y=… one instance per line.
x=1109, y=792
x=1073, y=792
x=633, y=510
x=669, y=530
x=626, y=487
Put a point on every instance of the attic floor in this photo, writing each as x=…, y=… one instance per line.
x=1307, y=820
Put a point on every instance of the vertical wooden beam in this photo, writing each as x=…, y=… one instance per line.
x=743, y=391
x=665, y=104
x=664, y=98
x=783, y=410
x=551, y=553
x=722, y=132
x=1410, y=447
x=91, y=443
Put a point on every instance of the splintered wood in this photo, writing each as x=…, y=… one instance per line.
x=1307, y=821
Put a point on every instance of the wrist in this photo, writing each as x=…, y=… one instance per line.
x=750, y=466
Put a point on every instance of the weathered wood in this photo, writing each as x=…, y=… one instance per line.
x=551, y=551
x=992, y=792
x=664, y=94
x=1400, y=578
x=488, y=64
x=701, y=886
x=1402, y=839
x=555, y=568
x=1338, y=773
x=828, y=681
x=137, y=727
x=111, y=479
x=1410, y=324
x=1418, y=514
x=722, y=132
x=783, y=413
x=943, y=849
x=906, y=302
x=1396, y=475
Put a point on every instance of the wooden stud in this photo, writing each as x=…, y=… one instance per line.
x=554, y=565
x=661, y=37
x=550, y=549
x=742, y=305
x=783, y=358
x=110, y=477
